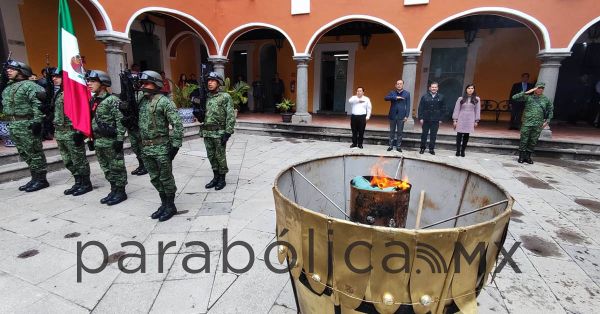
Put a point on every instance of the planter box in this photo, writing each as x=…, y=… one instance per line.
x=286, y=117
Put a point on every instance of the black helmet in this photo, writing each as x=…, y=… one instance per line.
x=152, y=77
x=56, y=72
x=214, y=76
x=100, y=76
x=22, y=67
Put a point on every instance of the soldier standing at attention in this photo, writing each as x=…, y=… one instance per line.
x=70, y=143
x=157, y=112
x=218, y=127
x=21, y=104
x=536, y=116
x=109, y=133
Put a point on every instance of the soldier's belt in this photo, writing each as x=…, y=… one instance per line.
x=155, y=141
x=212, y=127
x=62, y=127
x=19, y=118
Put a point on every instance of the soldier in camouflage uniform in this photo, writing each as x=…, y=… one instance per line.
x=218, y=127
x=159, y=148
x=70, y=143
x=109, y=132
x=21, y=103
x=536, y=116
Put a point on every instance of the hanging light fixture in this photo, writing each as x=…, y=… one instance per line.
x=148, y=26
x=365, y=38
x=470, y=30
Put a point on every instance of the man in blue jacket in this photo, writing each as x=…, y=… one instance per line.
x=399, y=111
x=431, y=108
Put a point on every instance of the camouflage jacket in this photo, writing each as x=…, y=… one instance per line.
x=537, y=109
x=62, y=123
x=157, y=112
x=220, y=117
x=20, y=99
x=107, y=112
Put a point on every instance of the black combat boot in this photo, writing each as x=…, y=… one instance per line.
x=163, y=204
x=119, y=196
x=170, y=209
x=28, y=184
x=84, y=187
x=214, y=181
x=221, y=183
x=521, y=156
x=39, y=182
x=528, y=158
x=75, y=186
x=113, y=189
x=141, y=169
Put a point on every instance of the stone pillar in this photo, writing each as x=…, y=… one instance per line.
x=115, y=59
x=302, y=115
x=409, y=76
x=218, y=64
x=549, y=70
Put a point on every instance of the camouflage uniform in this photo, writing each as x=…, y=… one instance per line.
x=111, y=161
x=156, y=113
x=537, y=110
x=135, y=140
x=21, y=106
x=73, y=155
x=220, y=120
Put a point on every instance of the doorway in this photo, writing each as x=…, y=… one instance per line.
x=268, y=68
x=146, y=51
x=334, y=77
x=447, y=67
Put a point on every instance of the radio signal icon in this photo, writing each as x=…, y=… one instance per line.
x=432, y=257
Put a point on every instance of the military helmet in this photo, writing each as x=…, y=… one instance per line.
x=56, y=72
x=214, y=76
x=100, y=76
x=152, y=77
x=22, y=67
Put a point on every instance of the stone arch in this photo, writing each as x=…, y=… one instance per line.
x=172, y=46
x=97, y=15
x=581, y=31
x=208, y=39
x=350, y=18
x=539, y=30
x=242, y=29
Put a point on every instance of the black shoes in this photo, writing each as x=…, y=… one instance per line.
x=528, y=158
x=220, y=183
x=28, y=184
x=399, y=149
x=75, y=186
x=462, y=153
x=457, y=153
x=140, y=170
x=170, y=210
x=431, y=151
x=353, y=145
x=521, y=157
x=389, y=149
x=118, y=197
x=85, y=185
x=39, y=182
x=110, y=195
x=163, y=204
x=422, y=151
x=214, y=181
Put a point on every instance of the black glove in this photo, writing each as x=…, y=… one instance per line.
x=225, y=138
x=118, y=146
x=173, y=152
x=78, y=139
x=36, y=128
x=91, y=146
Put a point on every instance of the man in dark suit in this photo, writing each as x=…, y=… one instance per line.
x=516, y=107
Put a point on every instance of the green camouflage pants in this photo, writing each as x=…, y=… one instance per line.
x=136, y=142
x=529, y=137
x=113, y=166
x=160, y=168
x=216, y=154
x=29, y=146
x=74, y=157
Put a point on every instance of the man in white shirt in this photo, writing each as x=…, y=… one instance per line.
x=361, y=112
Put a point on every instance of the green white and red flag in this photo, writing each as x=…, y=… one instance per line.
x=76, y=93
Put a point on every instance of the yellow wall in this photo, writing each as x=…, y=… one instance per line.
x=185, y=61
x=40, y=27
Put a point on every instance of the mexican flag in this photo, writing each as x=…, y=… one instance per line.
x=76, y=93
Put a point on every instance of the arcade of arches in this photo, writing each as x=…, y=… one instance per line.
x=323, y=55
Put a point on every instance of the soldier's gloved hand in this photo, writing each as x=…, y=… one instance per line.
x=225, y=138
x=173, y=152
x=36, y=128
x=78, y=139
x=118, y=146
x=91, y=146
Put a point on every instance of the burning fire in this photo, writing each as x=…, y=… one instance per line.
x=382, y=180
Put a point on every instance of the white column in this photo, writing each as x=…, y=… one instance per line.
x=115, y=59
x=409, y=76
x=302, y=115
x=218, y=64
x=549, y=70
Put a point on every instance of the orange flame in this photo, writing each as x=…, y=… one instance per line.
x=382, y=180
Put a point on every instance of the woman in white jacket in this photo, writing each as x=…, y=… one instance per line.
x=361, y=112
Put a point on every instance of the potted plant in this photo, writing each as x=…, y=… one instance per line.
x=181, y=98
x=285, y=107
x=238, y=93
x=4, y=132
